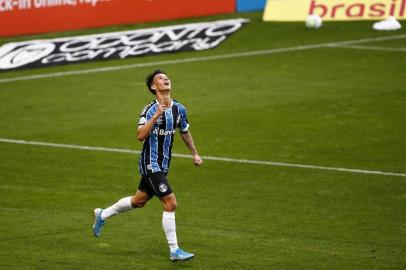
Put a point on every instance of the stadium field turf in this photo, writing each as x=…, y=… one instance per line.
x=328, y=105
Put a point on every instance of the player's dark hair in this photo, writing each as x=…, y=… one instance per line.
x=150, y=79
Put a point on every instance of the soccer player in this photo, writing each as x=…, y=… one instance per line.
x=157, y=125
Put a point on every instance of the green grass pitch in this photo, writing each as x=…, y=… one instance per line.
x=330, y=106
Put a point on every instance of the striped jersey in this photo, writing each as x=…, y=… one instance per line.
x=156, y=150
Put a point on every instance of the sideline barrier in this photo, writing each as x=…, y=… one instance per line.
x=338, y=10
x=250, y=5
x=22, y=17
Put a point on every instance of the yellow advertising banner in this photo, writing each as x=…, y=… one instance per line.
x=334, y=10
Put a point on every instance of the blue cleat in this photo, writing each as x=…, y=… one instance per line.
x=99, y=222
x=180, y=255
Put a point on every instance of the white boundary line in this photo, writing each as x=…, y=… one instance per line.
x=201, y=58
x=372, y=48
x=225, y=159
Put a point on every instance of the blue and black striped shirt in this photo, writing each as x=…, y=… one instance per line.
x=156, y=150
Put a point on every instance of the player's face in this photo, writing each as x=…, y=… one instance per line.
x=162, y=82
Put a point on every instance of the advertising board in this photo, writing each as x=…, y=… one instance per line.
x=339, y=10
x=22, y=17
x=116, y=45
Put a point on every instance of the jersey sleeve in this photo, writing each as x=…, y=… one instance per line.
x=183, y=124
x=146, y=115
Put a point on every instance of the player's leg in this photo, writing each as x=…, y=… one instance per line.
x=169, y=224
x=168, y=220
x=123, y=205
x=160, y=185
x=140, y=199
x=169, y=205
x=143, y=194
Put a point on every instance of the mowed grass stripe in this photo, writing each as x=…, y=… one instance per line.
x=203, y=58
x=225, y=159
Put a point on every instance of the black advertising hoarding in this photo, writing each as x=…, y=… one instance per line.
x=116, y=45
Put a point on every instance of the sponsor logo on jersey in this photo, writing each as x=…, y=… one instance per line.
x=164, y=132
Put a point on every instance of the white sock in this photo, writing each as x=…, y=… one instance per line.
x=168, y=222
x=121, y=206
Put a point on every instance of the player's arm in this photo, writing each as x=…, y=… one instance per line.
x=188, y=140
x=144, y=130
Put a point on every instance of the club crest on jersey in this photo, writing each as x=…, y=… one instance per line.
x=163, y=188
x=159, y=120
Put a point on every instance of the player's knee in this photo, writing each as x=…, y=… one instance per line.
x=170, y=206
x=138, y=203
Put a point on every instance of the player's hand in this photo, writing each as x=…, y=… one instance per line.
x=197, y=160
x=161, y=109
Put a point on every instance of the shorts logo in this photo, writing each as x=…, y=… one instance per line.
x=163, y=188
